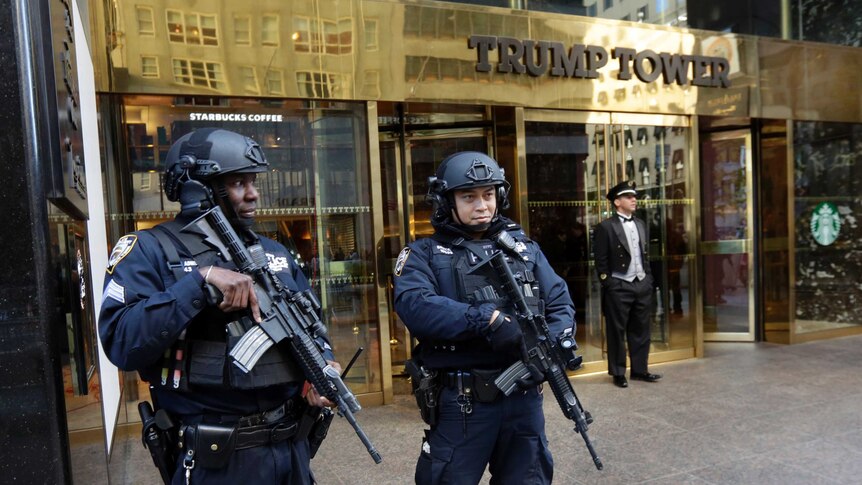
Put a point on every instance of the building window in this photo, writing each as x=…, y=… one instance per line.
x=301, y=34
x=592, y=10
x=146, y=25
x=175, y=26
x=269, y=30
x=199, y=73
x=335, y=38
x=192, y=28
x=145, y=181
x=209, y=32
x=643, y=13
x=345, y=36
x=372, y=42
x=371, y=84
x=274, y=82
x=318, y=84
x=330, y=36
x=609, y=4
x=249, y=80
x=149, y=67
x=242, y=30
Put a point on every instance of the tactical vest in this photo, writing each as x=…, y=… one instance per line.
x=200, y=356
x=475, y=288
x=478, y=288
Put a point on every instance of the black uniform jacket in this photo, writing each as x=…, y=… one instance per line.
x=611, y=248
x=145, y=309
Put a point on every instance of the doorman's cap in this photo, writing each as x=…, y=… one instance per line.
x=622, y=188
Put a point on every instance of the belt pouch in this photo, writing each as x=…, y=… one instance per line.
x=484, y=389
x=213, y=445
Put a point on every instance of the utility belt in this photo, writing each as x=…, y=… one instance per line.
x=476, y=383
x=210, y=441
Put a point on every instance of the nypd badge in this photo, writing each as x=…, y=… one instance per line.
x=444, y=250
x=402, y=259
x=121, y=250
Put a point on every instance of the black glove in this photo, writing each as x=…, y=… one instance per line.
x=505, y=335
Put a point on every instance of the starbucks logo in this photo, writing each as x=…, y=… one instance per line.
x=825, y=223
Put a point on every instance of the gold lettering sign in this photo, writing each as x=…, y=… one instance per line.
x=539, y=58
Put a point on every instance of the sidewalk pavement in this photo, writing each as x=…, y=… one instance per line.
x=747, y=413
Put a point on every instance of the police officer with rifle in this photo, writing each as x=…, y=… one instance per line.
x=469, y=334
x=180, y=297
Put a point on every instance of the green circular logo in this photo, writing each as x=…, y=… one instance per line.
x=825, y=223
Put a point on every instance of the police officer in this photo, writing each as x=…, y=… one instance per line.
x=467, y=333
x=156, y=319
x=622, y=263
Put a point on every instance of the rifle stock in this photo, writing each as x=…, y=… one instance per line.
x=543, y=352
x=288, y=319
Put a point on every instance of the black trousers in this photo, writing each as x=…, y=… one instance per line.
x=627, y=309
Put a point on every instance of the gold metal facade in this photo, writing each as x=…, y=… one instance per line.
x=382, y=53
x=418, y=52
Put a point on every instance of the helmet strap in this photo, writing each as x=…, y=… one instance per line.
x=195, y=197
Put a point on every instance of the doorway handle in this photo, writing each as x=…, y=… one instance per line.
x=725, y=246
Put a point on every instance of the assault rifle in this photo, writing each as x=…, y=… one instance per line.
x=551, y=356
x=288, y=319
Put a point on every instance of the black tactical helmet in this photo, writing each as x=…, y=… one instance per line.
x=207, y=153
x=465, y=170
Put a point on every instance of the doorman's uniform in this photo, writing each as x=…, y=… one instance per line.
x=627, y=291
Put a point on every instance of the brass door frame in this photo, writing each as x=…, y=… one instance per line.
x=379, y=235
x=736, y=246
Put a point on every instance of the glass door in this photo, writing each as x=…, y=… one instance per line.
x=571, y=161
x=411, y=148
x=726, y=239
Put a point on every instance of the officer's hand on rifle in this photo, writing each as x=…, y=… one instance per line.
x=237, y=290
x=504, y=334
x=313, y=398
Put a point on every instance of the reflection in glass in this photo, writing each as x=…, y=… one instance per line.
x=315, y=200
x=78, y=349
x=657, y=159
x=569, y=168
x=773, y=219
x=668, y=12
x=725, y=234
x=558, y=157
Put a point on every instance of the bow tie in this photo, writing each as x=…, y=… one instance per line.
x=626, y=219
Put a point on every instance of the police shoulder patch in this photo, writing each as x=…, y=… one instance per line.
x=402, y=259
x=121, y=250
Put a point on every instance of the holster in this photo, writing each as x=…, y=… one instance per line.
x=158, y=434
x=314, y=425
x=426, y=390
